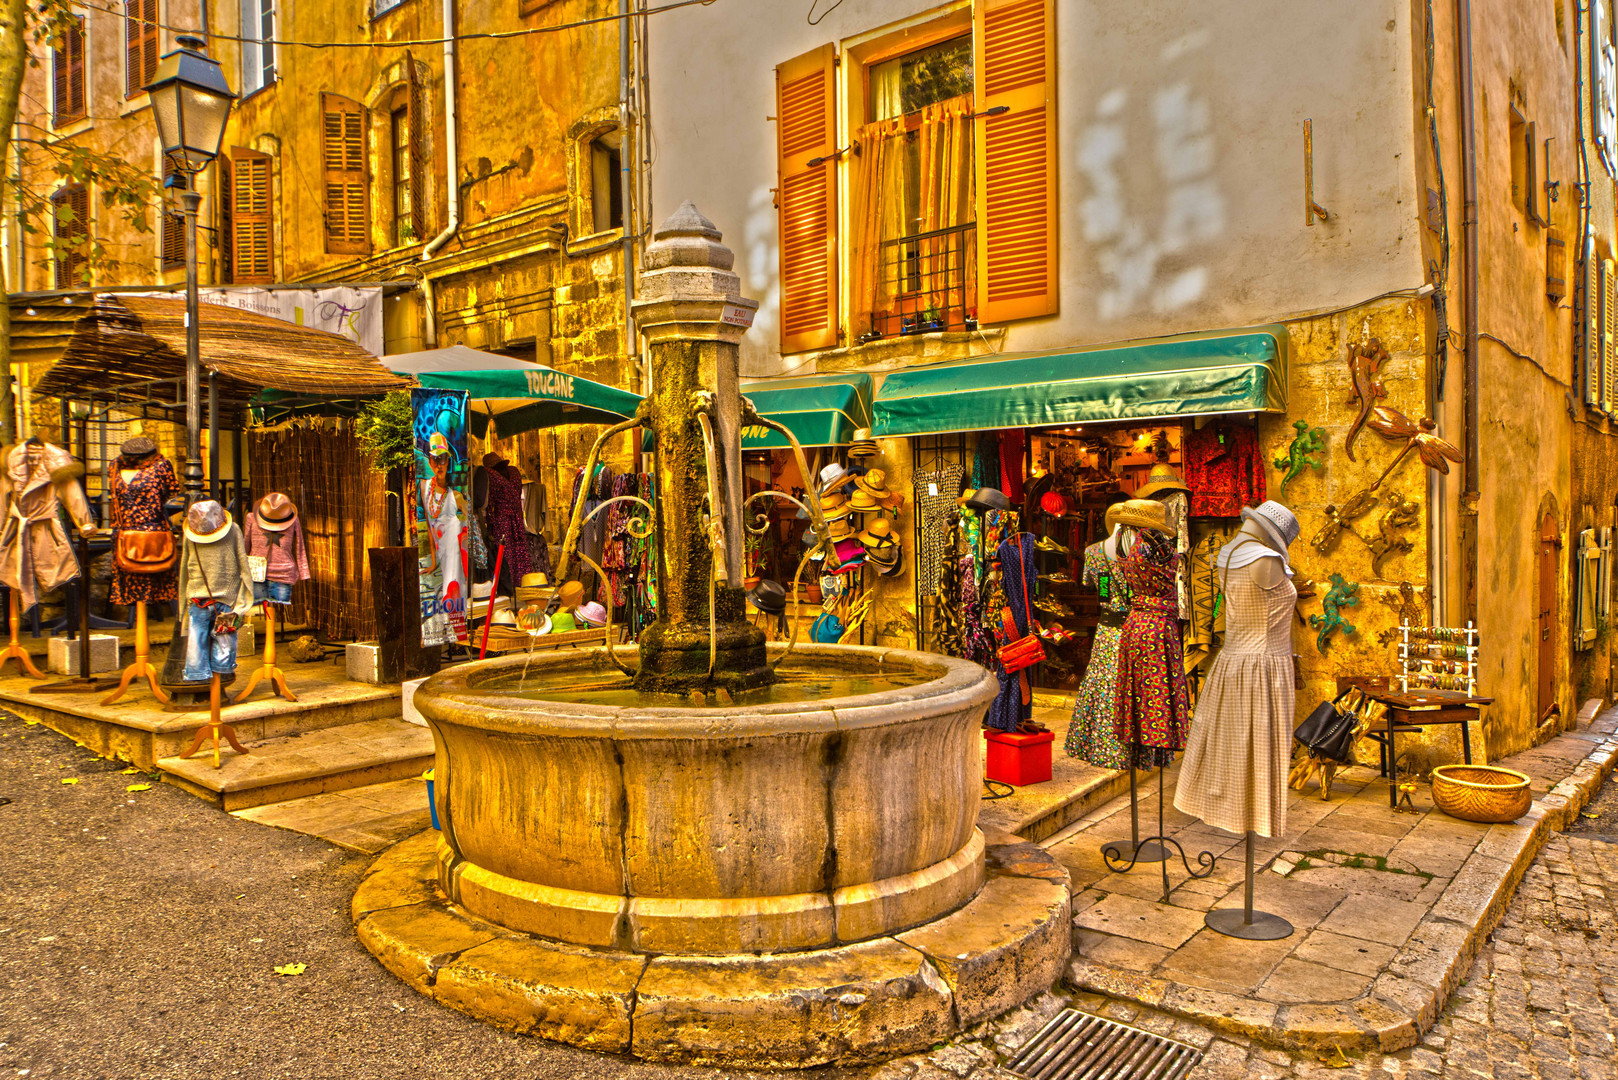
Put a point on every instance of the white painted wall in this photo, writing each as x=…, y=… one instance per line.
x=1180, y=146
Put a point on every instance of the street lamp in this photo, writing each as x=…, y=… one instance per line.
x=190, y=102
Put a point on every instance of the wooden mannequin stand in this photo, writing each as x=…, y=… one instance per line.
x=142, y=666
x=215, y=726
x=14, y=649
x=268, y=670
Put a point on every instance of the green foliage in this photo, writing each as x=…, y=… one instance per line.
x=386, y=431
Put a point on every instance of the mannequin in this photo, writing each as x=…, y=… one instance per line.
x=1234, y=776
x=35, y=557
x=274, y=535
x=216, y=586
x=141, y=481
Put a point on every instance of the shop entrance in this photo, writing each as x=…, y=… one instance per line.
x=1549, y=541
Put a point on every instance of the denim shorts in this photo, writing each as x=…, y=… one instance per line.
x=272, y=592
x=206, y=653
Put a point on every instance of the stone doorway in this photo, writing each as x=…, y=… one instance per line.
x=1550, y=539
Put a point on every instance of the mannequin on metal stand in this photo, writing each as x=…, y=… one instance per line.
x=141, y=481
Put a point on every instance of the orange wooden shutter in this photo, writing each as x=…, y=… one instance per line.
x=1016, y=69
x=67, y=75
x=171, y=234
x=806, y=125
x=250, y=220
x=140, y=45
x=348, y=196
x=70, y=227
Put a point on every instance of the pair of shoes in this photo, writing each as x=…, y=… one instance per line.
x=1057, y=578
x=1030, y=727
x=1053, y=606
x=1045, y=543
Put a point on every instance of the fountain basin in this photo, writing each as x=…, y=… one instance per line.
x=650, y=825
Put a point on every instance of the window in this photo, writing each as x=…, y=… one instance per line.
x=140, y=45
x=606, y=183
x=404, y=230
x=382, y=7
x=258, y=44
x=1604, y=66
x=251, y=256
x=67, y=75
x=172, y=232
x=70, y=235
x=347, y=188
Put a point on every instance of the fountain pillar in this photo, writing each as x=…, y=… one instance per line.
x=693, y=316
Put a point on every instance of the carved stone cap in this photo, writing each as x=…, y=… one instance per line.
x=687, y=239
x=687, y=286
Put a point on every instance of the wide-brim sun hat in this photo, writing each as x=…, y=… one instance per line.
x=207, y=522
x=1163, y=477
x=834, y=477
x=592, y=613
x=879, y=534
x=1279, y=523
x=873, y=483
x=1142, y=514
x=275, y=513
x=863, y=502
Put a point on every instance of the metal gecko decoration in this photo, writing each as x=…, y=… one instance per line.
x=1342, y=594
x=1400, y=513
x=1409, y=605
x=1365, y=362
x=1300, y=452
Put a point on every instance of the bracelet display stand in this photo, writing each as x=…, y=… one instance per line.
x=1438, y=658
x=1246, y=923
x=1144, y=853
x=268, y=671
x=142, y=665
x=14, y=649
x=1114, y=858
x=215, y=727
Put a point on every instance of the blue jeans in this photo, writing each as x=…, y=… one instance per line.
x=206, y=653
x=272, y=592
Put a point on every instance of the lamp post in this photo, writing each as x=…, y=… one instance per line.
x=190, y=102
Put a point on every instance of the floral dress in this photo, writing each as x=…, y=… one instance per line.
x=1153, y=710
x=1089, y=735
x=138, y=506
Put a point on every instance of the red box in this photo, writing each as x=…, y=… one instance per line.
x=1018, y=759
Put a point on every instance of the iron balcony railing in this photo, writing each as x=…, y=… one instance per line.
x=927, y=282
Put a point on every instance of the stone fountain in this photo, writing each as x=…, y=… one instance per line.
x=728, y=853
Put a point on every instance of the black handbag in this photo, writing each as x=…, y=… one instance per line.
x=1328, y=732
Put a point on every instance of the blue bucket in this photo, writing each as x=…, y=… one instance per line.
x=432, y=804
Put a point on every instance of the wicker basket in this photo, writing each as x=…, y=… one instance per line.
x=1483, y=793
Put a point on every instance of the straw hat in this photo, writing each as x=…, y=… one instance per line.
x=863, y=445
x=534, y=620
x=966, y=496
x=592, y=613
x=1142, y=514
x=536, y=580
x=834, y=477
x=834, y=505
x=879, y=534
x=275, y=513
x=503, y=617
x=1279, y=523
x=862, y=503
x=839, y=528
x=563, y=623
x=874, y=484
x=572, y=595
x=207, y=522
x=1163, y=477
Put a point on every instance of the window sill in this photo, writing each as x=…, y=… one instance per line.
x=71, y=128
x=895, y=353
x=593, y=243
x=136, y=104
x=250, y=95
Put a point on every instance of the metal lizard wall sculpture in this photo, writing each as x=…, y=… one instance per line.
x=1341, y=594
x=1364, y=367
x=1299, y=455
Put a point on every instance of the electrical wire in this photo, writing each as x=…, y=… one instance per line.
x=1506, y=345
x=493, y=35
x=816, y=3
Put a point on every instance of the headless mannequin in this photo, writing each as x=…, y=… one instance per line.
x=1267, y=573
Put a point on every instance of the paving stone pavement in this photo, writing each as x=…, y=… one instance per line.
x=1540, y=1003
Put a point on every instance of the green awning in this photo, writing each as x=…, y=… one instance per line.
x=1196, y=375
x=821, y=410
x=514, y=395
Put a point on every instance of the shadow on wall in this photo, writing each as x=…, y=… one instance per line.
x=1153, y=195
x=759, y=251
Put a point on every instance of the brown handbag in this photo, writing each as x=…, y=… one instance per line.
x=144, y=552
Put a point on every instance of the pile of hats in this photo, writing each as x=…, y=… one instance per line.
x=572, y=612
x=848, y=493
x=863, y=445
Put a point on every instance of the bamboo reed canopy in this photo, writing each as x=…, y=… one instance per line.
x=99, y=342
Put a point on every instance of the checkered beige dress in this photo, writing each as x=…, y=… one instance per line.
x=1234, y=774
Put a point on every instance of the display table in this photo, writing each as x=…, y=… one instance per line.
x=1414, y=711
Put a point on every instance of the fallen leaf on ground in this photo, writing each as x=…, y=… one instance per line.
x=291, y=969
x=138, y=787
x=131, y=771
x=30, y=723
x=70, y=780
x=1339, y=1062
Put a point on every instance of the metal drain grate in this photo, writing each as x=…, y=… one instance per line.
x=1079, y=1046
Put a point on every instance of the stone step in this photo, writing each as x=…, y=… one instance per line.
x=315, y=762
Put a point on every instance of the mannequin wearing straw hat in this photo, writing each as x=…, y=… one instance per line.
x=277, y=559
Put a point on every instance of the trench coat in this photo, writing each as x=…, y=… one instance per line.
x=35, y=556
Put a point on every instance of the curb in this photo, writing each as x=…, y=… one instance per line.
x=1406, y=999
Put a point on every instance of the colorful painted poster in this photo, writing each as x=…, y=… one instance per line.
x=442, y=476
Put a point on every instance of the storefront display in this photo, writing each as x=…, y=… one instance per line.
x=141, y=483
x=216, y=588
x=35, y=557
x=1153, y=710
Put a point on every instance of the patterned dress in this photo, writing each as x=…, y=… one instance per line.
x=1153, y=709
x=504, y=515
x=1089, y=735
x=138, y=506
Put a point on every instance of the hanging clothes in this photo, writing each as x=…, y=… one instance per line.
x=1206, y=626
x=1153, y=707
x=1010, y=707
x=1012, y=444
x=948, y=632
x=935, y=503
x=1180, y=526
x=35, y=556
x=986, y=461
x=506, y=525
x=1224, y=469
x=1234, y=776
x=137, y=505
x=977, y=644
x=1090, y=734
